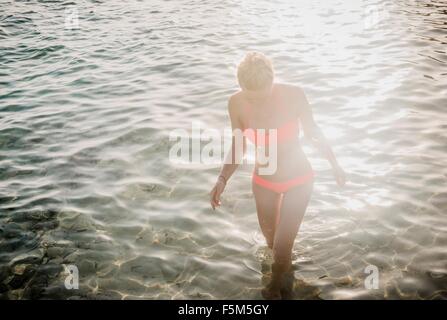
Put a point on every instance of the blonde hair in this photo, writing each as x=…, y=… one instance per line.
x=255, y=71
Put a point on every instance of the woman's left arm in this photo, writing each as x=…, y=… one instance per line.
x=314, y=134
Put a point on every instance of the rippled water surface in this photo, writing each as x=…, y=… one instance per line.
x=85, y=116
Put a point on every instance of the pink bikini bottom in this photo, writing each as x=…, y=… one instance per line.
x=282, y=187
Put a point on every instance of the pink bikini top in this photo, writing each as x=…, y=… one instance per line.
x=259, y=137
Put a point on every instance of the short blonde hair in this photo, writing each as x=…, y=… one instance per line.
x=255, y=71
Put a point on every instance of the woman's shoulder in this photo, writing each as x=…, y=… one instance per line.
x=235, y=101
x=235, y=106
x=236, y=96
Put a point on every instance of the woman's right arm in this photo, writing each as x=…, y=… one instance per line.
x=234, y=156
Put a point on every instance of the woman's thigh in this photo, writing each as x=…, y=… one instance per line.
x=267, y=207
x=293, y=207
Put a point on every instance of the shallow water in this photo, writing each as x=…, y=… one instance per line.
x=85, y=116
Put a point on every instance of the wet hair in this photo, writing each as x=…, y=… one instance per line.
x=255, y=71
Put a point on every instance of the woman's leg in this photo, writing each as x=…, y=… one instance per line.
x=293, y=207
x=267, y=206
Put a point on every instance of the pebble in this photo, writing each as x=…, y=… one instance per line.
x=19, y=269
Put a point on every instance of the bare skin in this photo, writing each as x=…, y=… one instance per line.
x=279, y=215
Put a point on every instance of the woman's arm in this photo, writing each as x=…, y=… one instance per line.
x=234, y=156
x=314, y=134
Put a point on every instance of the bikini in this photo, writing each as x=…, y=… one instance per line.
x=287, y=131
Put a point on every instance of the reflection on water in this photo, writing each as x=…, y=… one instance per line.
x=85, y=116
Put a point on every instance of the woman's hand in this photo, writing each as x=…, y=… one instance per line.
x=216, y=192
x=340, y=176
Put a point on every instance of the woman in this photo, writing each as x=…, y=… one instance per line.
x=282, y=197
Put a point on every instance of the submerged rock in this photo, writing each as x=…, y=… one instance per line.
x=11, y=230
x=87, y=267
x=75, y=221
x=39, y=215
x=55, y=252
x=439, y=200
x=10, y=245
x=19, y=269
x=21, y=275
x=3, y=288
x=144, y=267
x=50, y=269
x=31, y=257
x=45, y=225
x=72, y=257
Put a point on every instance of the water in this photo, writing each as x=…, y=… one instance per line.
x=87, y=106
